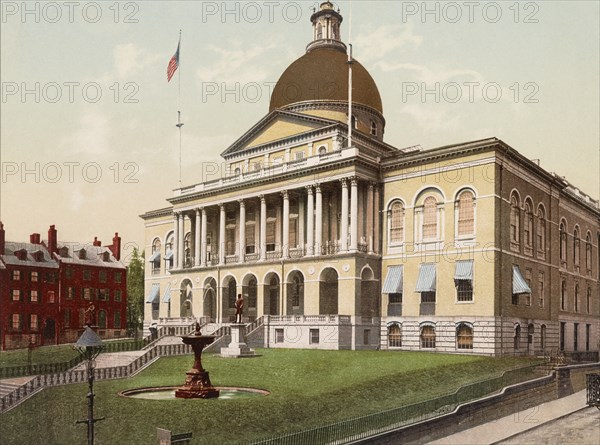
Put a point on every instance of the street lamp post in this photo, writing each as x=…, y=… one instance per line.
x=89, y=346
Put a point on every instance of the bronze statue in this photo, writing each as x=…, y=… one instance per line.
x=239, y=308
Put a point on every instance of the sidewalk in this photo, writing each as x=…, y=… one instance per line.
x=538, y=417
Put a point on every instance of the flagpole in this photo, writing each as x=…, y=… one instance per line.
x=179, y=123
x=350, y=80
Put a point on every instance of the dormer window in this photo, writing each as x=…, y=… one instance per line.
x=64, y=252
x=82, y=254
x=38, y=256
x=21, y=254
x=106, y=257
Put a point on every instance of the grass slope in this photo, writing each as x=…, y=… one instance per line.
x=309, y=388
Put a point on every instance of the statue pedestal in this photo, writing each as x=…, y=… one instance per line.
x=238, y=347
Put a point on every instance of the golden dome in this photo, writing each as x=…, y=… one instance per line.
x=322, y=74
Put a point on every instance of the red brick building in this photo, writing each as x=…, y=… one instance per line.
x=51, y=289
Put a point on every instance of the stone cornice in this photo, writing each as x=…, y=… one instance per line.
x=167, y=211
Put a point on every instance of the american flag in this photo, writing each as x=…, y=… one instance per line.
x=173, y=64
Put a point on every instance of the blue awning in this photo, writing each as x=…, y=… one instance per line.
x=167, y=294
x=155, y=256
x=426, y=281
x=464, y=270
x=393, y=281
x=520, y=286
x=154, y=293
x=168, y=255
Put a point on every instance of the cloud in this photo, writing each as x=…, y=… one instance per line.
x=375, y=43
x=238, y=64
x=130, y=60
x=91, y=137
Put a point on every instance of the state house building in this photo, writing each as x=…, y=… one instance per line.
x=468, y=248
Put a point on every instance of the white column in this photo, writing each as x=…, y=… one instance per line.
x=222, y=234
x=310, y=222
x=344, y=217
x=354, y=214
x=180, y=239
x=370, y=230
x=319, y=221
x=203, y=239
x=242, y=243
x=377, y=215
x=286, y=225
x=301, y=224
x=197, y=240
x=174, y=248
x=263, y=228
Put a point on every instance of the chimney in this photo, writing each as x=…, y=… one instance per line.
x=96, y=242
x=115, y=248
x=52, y=240
x=2, y=238
x=34, y=238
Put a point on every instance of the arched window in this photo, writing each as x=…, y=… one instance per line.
x=466, y=214
x=588, y=253
x=252, y=292
x=517, y=338
x=322, y=150
x=514, y=219
x=319, y=31
x=394, y=336
x=427, y=336
x=373, y=128
x=169, y=246
x=397, y=222
x=563, y=242
x=576, y=247
x=528, y=227
x=464, y=336
x=541, y=232
x=563, y=295
x=576, y=297
x=430, y=218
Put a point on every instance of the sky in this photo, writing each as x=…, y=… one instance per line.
x=87, y=122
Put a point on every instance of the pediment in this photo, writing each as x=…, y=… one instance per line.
x=277, y=125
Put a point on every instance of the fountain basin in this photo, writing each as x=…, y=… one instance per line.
x=168, y=393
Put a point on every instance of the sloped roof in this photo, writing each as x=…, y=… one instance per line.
x=10, y=258
x=94, y=255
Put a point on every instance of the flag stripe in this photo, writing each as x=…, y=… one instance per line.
x=173, y=64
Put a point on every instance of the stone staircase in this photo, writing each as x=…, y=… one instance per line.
x=8, y=386
x=113, y=359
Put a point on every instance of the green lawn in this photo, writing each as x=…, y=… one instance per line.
x=41, y=355
x=308, y=389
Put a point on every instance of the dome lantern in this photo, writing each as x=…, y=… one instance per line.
x=326, y=28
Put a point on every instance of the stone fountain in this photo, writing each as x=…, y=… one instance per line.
x=197, y=383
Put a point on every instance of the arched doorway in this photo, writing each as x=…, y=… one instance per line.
x=369, y=295
x=186, y=299
x=295, y=293
x=271, y=294
x=229, y=297
x=250, y=292
x=328, y=292
x=209, y=300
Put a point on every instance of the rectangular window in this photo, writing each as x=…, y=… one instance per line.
x=528, y=280
x=16, y=275
x=250, y=237
x=575, y=336
x=102, y=276
x=33, y=322
x=562, y=335
x=366, y=336
x=34, y=276
x=395, y=298
x=16, y=295
x=299, y=155
x=50, y=277
x=278, y=335
x=117, y=320
x=118, y=277
x=293, y=232
x=69, y=272
x=427, y=297
x=464, y=290
x=118, y=296
x=69, y=293
x=87, y=293
x=16, y=322
x=103, y=294
x=67, y=318
x=588, y=331
x=314, y=337
x=87, y=275
x=51, y=296
x=541, y=289
x=34, y=296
